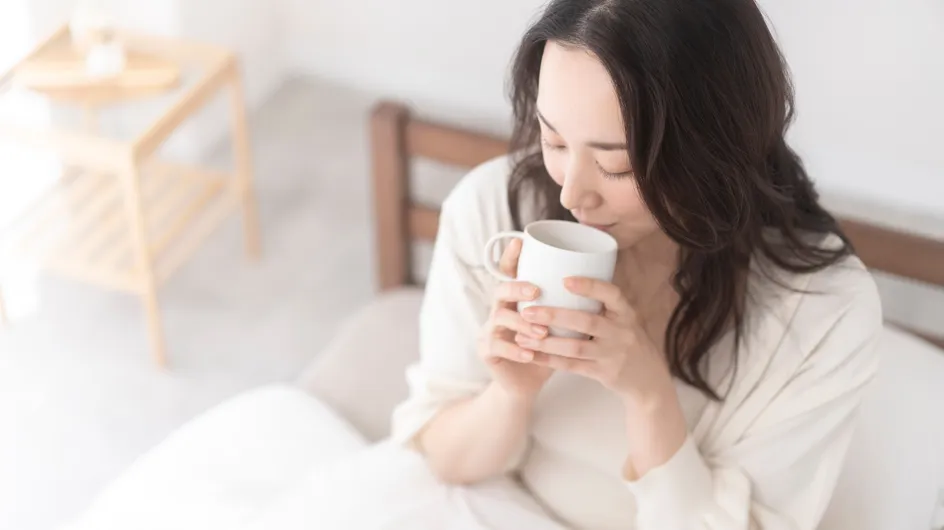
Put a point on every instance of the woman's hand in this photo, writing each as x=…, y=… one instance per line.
x=621, y=356
x=624, y=359
x=509, y=363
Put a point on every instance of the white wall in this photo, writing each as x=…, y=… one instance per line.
x=432, y=52
x=15, y=35
x=159, y=16
x=870, y=80
x=252, y=29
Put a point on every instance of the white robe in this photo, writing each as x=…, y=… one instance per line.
x=768, y=456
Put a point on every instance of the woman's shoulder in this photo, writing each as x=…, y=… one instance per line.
x=847, y=282
x=477, y=207
x=483, y=189
x=844, y=290
x=812, y=309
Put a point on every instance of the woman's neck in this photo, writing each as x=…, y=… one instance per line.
x=645, y=269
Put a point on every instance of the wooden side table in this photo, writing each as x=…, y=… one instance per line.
x=119, y=217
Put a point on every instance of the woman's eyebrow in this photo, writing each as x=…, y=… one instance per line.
x=546, y=123
x=602, y=146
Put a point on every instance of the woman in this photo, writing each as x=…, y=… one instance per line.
x=719, y=388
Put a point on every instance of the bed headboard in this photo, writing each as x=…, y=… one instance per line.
x=397, y=138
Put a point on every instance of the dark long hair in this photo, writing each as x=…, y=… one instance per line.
x=706, y=98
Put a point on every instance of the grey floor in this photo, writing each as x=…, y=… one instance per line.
x=79, y=397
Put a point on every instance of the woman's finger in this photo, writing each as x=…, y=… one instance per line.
x=605, y=292
x=560, y=346
x=564, y=364
x=503, y=349
x=571, y=319
x=510, y=319
x=508, y=263
x=516, y=292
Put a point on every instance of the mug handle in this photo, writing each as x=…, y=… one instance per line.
x=489, y=250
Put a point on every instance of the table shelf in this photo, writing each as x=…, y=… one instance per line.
x=81, y=227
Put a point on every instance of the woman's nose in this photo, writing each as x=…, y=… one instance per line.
x=578, y=191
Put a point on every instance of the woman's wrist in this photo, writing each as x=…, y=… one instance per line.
x=656, y=395
x=510, y=399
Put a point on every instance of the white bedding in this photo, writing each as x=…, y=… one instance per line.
x=276, y=458
x=387, y=487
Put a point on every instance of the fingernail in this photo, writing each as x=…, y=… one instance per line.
x=540, y=331
x=527, y=355
x=530, y=291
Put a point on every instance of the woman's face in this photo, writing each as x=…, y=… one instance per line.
x=584, y=145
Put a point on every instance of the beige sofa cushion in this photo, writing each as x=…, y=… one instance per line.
x=361, y=372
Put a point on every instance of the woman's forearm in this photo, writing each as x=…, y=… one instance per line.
x=656, y=430
x=476, y=439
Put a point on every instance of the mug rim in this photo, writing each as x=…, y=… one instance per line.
x=610, y=238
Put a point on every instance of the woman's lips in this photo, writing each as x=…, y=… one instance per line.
x=599, y=227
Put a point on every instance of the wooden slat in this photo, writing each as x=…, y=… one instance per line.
x=108, y=228
x=88, y=210
x=118, y=254
x=185, y=107
x=175, y=196
x=450, y=145
x=935, y=340
x=196, y=234
x=391, y=194
x=182, y=221
x=85, y=214
x=54, y=208
x=424, y=223
x=112, y=226
x=902, y=254
x=79, y=270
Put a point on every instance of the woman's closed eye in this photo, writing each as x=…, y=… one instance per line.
x=614, y=174
x=552, y=146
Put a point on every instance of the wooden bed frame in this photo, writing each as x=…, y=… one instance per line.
x=397, y=138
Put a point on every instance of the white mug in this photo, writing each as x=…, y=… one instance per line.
x=554, y=250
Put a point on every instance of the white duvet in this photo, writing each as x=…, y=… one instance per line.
x=277, y=459
x=385, y=487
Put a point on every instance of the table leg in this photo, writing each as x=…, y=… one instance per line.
x=89, y=119
x=144, y=264
x=4, y=320
x=243, y=155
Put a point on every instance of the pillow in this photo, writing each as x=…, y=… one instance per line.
x=894, y=471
